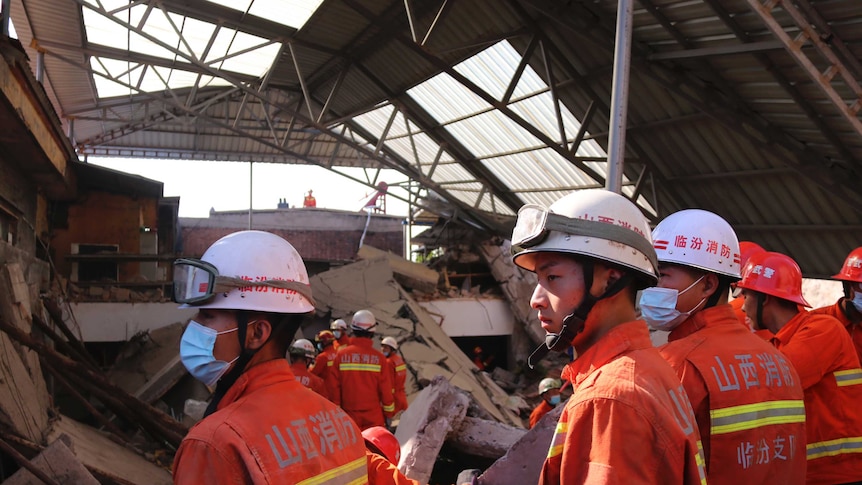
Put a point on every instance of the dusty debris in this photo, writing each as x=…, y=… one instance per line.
x=424, y=426
x=57, y=462
x=524, y=459
x=427, y=350
x=488, y=439
x=407, y=273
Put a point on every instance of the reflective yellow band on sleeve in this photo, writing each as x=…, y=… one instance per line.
x=849, y=377
x=353, y=473
x=750, y=416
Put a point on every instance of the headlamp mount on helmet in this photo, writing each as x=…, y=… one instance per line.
x=197, y=282
x=534, y=222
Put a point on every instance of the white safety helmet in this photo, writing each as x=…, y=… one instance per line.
x=339, y=324
x=277, y=280
x=363, y=321
x=549, y=383
x=698, y=239
x=302, y=347
x=596, y=223
x=390, y=342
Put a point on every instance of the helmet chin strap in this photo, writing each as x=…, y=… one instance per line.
x=574, y=323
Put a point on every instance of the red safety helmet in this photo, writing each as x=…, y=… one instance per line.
x=747, y=249
x=852, y=269
x=774, y=274
x=379, y=440
x=324, y=337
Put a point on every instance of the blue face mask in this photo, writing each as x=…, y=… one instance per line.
x=196, y=352
x=857, y=301
x=554, y=400
x=337, y=334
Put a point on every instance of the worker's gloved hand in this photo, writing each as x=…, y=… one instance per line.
x=469, y=476
x=389, y=424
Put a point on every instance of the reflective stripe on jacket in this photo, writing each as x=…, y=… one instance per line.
x=628, y=419
x=820, y=349
x=307, y=379
x=322, y=368
x=398, y=375
x=747, y=399
x=363, y=379
x=854, y=329
x=270, y=430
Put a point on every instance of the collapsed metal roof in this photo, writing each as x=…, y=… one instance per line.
x=742, y=108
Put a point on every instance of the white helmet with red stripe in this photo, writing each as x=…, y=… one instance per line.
x=363, y=321
x=698, y=239
x=302, y=347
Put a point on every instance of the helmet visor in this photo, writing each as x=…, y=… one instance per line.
x=530, y=226
x=194, y=280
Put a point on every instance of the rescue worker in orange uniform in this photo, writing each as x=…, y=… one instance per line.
x=341, y=332
x=746, y=249
x=384, y=452
x=848, y=310
x=628, y=419
x=309, y=200
x=323, y=364
x=820, y=349
x=723, y=367
x=549, y=390
x=251, y=291
x=363, y=376
x=398, y=373
x=300, y=354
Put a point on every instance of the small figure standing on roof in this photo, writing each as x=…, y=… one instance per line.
x=549, y=390
x=309, y=200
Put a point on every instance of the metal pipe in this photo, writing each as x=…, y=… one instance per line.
x=619, y=96
x=40, y=65
x=6, y=13
x=250, y=191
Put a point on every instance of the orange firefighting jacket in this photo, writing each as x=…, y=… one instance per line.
x=747, y=399
x=398, y=376
x=821, y=350
x=322, y=368
x=539, y=412
x=344, y=341
x=382, y=472
x=854, y=329
x=736, y=304
x=363, y=380
x=269, y=429
x=628, y=421
x=307, y=379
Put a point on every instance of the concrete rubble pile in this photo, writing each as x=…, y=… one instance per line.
x=49, y=446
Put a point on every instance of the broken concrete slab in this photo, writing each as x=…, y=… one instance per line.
x=424, y=426
x=106, y=459
x=426, y=349
x=524, y=459
x=488, y=439
x=407, y=273
x=149, y=364
x=57, y=462
x=24, y=398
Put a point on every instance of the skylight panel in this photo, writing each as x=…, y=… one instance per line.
x=493, y=68
x=292, y=13
x=492, y=133
x=175, y=38
x=446, y=99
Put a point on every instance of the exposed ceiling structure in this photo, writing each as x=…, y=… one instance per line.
x=742, y=107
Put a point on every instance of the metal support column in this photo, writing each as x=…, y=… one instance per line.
x=619, y=96
x=5, y=12
x=250, y=192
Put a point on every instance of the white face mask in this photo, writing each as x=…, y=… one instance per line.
x=658, y=307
